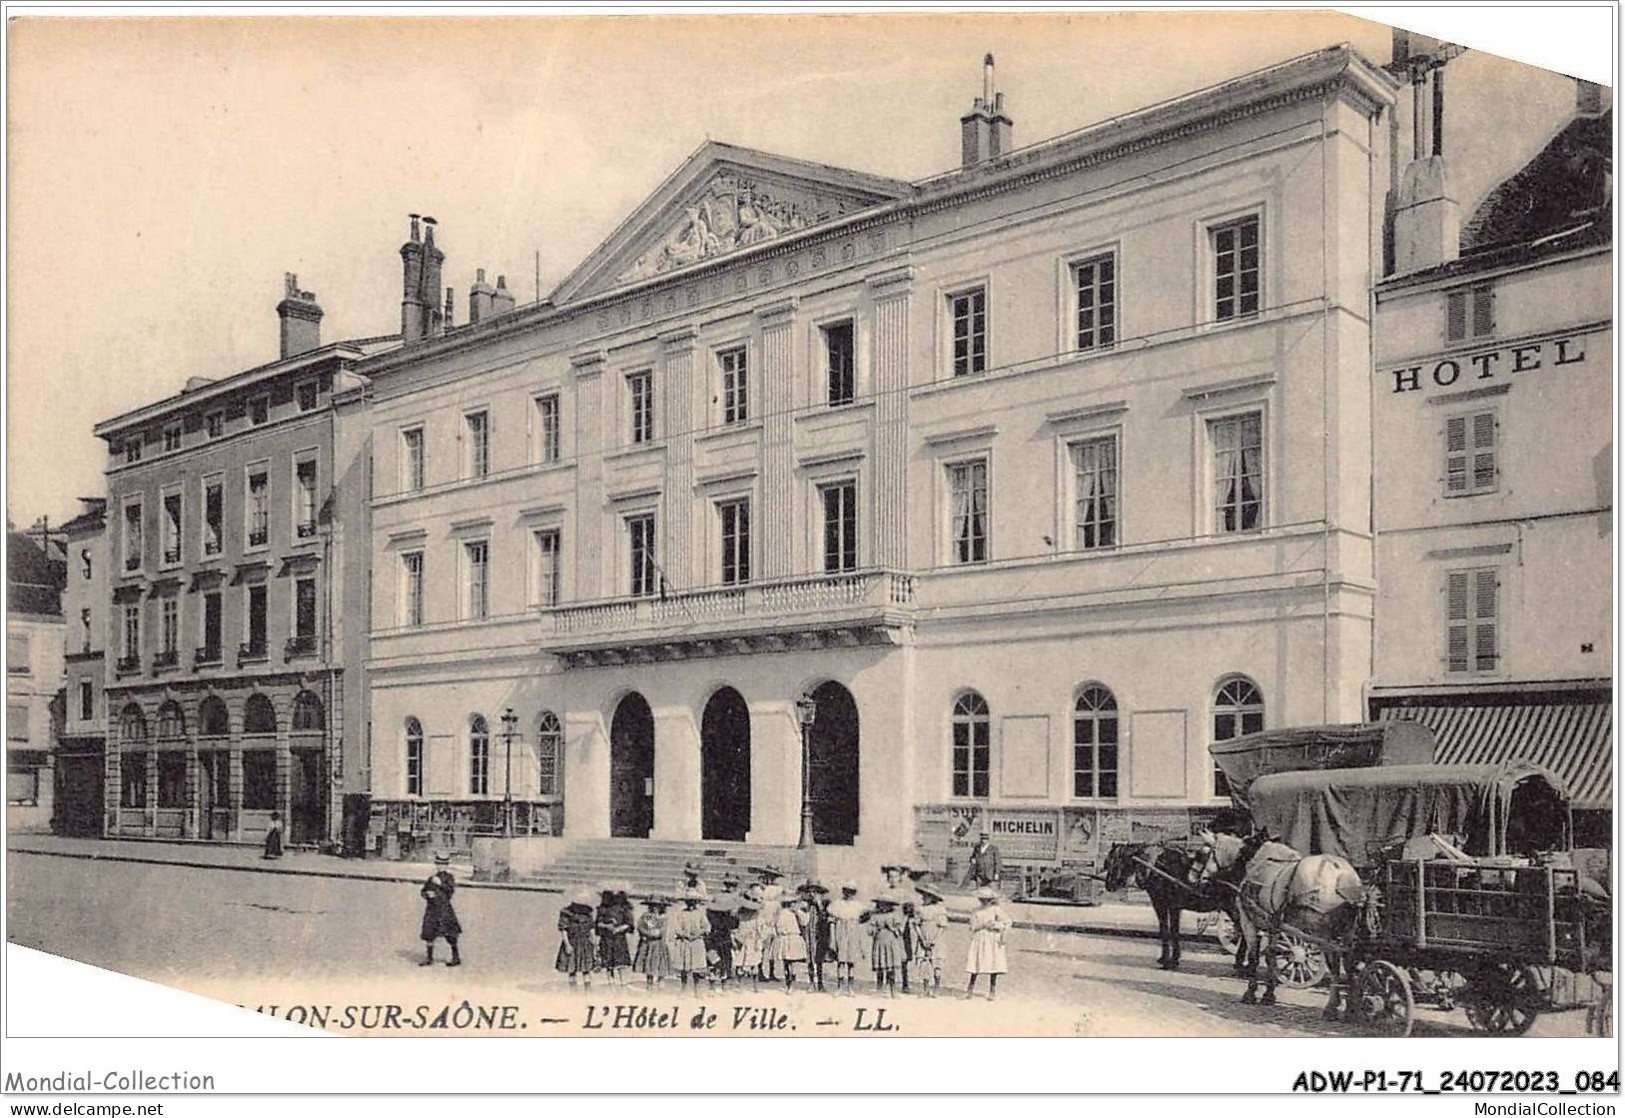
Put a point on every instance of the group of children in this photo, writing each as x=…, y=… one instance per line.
x=765, y=934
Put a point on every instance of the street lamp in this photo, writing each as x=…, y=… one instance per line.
x=806, y=711
x=509, y=721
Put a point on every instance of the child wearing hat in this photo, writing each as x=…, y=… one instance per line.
x=688, y=929
x=692, y=879
x=722, y=912
x=614, y=926
x=886, y=924
x=792, y=938
x=930, y=925
x=439, y=918
x=771, y=894
x=653, y=959
x=847, y=936
x=747, y=936
x=576, y=951
x=987, y=956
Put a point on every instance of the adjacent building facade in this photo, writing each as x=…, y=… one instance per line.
x=1493, y=404
x=1018, y=473
x=34, y=635
x=231, y=607
x=81, y=758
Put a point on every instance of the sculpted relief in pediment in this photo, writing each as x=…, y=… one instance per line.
x=735, y=211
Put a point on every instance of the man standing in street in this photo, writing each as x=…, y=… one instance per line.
x=984, y=863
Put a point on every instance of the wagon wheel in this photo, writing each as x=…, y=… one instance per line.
x=1383, y=1002
x=1503, y=999
x=1299, y=964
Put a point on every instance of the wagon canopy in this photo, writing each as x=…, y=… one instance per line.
x=1513, y=808
x=1349, y=746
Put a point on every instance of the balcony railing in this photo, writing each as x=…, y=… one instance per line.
x=127, y=664
x=211, y=546
x=866, y=598
x=207, y=655
x=161, y=660
x=306, y=530
x=258, y=536
x=300, y=646
x=132, y=562
x=172, y=555
x=252, y=650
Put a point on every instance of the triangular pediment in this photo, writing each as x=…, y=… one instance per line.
x=724, y=199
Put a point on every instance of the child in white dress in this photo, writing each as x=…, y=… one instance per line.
x=987, y=956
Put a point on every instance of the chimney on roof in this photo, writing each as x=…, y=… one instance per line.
x=421, y=262
x=301, y=318
x=985, y=132
x=502, y=299
x=449, y=315
x=480, y=298
x=1426, y=228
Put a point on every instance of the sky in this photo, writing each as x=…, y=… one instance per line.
x=164, y=173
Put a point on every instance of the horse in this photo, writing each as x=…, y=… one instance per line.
x=1320, y=895
x=1189, y=884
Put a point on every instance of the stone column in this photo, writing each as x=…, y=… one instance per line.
x=677, y=375
x=890, y=292
x=586, y=775
x=112, y=785
x=677, y=775
x=592, y=418
x=775, y=774
x=779, y=401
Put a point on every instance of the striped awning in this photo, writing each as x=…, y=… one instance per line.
x=1573, y=739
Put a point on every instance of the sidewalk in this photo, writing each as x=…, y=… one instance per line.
x=1112, y=918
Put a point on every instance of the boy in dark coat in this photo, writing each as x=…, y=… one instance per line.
x=817, y=932
x=439, y=918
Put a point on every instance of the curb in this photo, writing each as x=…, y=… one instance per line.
x=1069, y=928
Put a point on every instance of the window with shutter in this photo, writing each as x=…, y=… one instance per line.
x=1472, y=609
x=1480, y=300
x=1469, y=454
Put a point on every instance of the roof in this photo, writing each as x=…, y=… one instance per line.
x=1557, y=203
x=190, y=397
x=93, y=517
x=1566, y=181
x=34, y=580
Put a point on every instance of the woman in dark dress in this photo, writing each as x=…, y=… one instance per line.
x=273, y=837
x=614, y=923
x=439, y=918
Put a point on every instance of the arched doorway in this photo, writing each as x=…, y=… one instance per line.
x=725, y=767
x=632, y=769
x=833, y=787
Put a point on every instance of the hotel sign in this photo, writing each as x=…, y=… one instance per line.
x=1450, y=372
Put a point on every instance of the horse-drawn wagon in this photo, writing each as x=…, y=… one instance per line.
x=1468, y=897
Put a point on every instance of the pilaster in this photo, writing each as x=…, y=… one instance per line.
x=776, y=546
x=593, y=419
x=890, y=293
x=677, y=376
x=775, y=774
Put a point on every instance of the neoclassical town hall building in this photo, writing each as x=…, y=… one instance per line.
x=1036, y=477
x=1018, y=472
